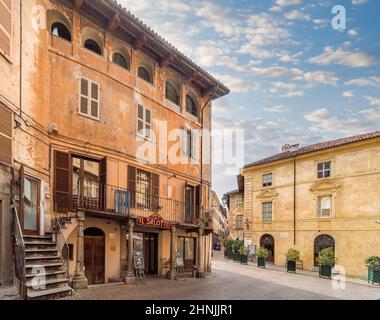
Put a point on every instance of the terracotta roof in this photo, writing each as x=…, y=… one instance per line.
x=232, y=192
x=315, y=148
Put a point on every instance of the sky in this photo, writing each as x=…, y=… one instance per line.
x=293, y=77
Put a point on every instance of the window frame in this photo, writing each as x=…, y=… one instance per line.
x=145, y=123
x=177, y=91
x=59, y=37
x=150, y=72
x=2, y=52
x=324, y=170
x=192, y=145
x=101, y=54
x=237, y=203
x=266, y=184
x=239, y=224
x=89, y=99
x=263, y=205
x=189, y=96
x=124, y=57
x=319, y=207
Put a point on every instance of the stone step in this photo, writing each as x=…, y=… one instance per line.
x=50, y=274
x=40, y=245
x=41, y=260
x=41, y=284
x=25, y=236
x=50, y=294
x=41, y=252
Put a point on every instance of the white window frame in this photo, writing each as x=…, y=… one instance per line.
x=146, y=133
x=89, y=98
x=239, y=221
x=238, y=203
x=262, y=211
x=319, y=208
x=194, y=143
x=324, y=170
x=263, y=177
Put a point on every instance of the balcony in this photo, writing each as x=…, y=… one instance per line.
x=107, y=200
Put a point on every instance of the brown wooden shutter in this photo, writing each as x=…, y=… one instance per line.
x=132, y=184
x=5, y=136
x=6, y=27
x=103, y=184
x=197, y=201
x=156, y=192
x=62, y=201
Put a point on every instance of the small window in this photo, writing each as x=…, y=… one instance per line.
x=239, y=201
x=172, y=93
x=120, y=60
x=190, y=143
x=324, y=206
x=89, y=98
x=145, y=74
x=144, y=122
x=267, y=180
x=324, y=170
x=60, y=30
x=68, y=252
x=239, y=222
x=93, y=46
x=191, y=106
x=267, y=211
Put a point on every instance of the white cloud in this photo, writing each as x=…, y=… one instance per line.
x=292, y=94
x=364, y=82
x=318, y=77
x=348, y=94
x=286, y=3
x=297, y=15
x=353, y=33
x=358, y=2
x=277, y=71
x=238, y=85
x=275, y=109
x=373, y=101
x=353, y=59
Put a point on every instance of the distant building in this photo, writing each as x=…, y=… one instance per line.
x=310, y=198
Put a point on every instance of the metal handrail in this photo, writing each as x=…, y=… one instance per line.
x=20, y=238
x=65, y=244
x=19, y=247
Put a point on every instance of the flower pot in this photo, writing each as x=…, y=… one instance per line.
x=291, y=266
x=325, y=271
x=261, y=262
x=373, y=276
x=236, y=257
x=229, y=254
x=244, y=259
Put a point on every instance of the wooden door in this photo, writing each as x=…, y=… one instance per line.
x=94, y=259
x=151, y=253
x=267, y=242
x=30, y=205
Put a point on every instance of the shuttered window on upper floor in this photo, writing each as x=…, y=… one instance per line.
x=5, y=135
x=89, y=98
x=5, y=27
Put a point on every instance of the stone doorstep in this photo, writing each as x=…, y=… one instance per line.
x=9, y=293
x=312, y=273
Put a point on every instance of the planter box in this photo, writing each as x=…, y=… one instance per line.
x=261, y=262
x=230, y=254
x=236, y=257
x=374, y=276
x=244, y=259
x=291, y=266
x=325, y=271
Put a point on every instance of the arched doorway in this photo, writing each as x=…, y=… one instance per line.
x=94, y=255
x=321, y=242
x=267, y=242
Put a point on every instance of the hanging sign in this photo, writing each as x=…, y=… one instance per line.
x=154, y=221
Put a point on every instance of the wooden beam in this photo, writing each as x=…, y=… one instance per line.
x=167, y=61
x=114, y=22
x=78, y=4
x=210, y=92
x=140, y=41
x=191, y=76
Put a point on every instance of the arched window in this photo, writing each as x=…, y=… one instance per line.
x=93, y=46
x=143, y=73
x=120, y=60
x=60, y=30
x=191, y=106
x=172, y=93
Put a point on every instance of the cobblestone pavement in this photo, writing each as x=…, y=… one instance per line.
x=232, y=281
x=9, y=293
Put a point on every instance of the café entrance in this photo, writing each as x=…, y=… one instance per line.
x=147, y=243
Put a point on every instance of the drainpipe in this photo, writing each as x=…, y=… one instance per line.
x=20, y=85
x=294, y=200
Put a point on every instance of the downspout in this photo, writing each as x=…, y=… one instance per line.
x=294, y=200
x=20, y=85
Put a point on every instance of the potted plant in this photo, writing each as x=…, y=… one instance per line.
x=326, y=259
x=373, y=266
x=292, y=257
x=228, y=243
x=237, y=244
x=262, y=254
x=244, y=252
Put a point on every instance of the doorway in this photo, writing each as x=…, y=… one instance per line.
x=267, y=242
x=148, y=244
x=322, y=242
x=186, y=246
x=30, y=213
x=94, y=255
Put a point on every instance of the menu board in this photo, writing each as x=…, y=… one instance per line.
x=179, y=260
x=138, y=259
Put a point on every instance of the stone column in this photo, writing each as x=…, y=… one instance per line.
x=80, y=280
x=200, y=271
x=130, y=278
x=123, y=250
x=172, y=273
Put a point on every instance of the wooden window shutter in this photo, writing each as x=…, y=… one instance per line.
x=5, y=27
x=156, y=192
x=198, y=201
x=5, y=136
x=103, y=184
x=62, y=172
x=132, y=184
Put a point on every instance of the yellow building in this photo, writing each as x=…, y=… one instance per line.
x=235, y=210
x=323, y=195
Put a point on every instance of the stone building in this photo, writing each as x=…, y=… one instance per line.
x=318, y=196
x=219, y=219
x=234, y=201
x=91, y=103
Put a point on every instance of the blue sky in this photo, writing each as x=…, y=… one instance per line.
x=293, y=78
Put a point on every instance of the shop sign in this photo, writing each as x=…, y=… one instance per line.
x=154, y=221
x=139, y=260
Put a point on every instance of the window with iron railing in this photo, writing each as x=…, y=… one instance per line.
x=143, y=189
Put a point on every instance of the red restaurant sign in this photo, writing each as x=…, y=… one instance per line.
x=154, y=222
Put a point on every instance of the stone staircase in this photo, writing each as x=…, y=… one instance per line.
x=45, y=271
